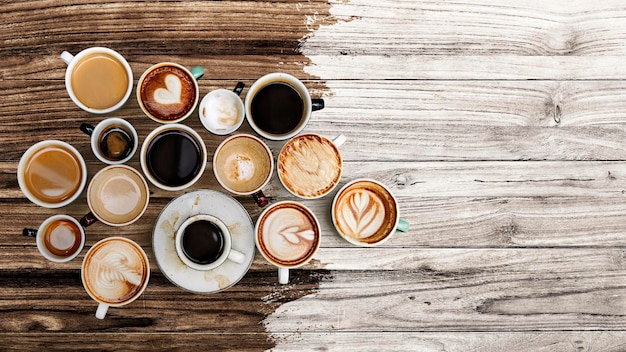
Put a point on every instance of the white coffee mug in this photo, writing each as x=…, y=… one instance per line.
x=96, y=134
x=44, y=238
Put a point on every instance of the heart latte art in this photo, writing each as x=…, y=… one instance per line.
x=167, y=92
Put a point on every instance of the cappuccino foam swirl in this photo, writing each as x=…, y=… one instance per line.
x=289, y=235
x=361, y=213
x=115, y=272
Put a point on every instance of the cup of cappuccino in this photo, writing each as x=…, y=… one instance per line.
x=168, y=92
x=113, y=141
x=243, y=165
x=221, y=110
x=278, y=106
x=98, y=80
x=203, y=242
x=365, y=213
x=117, y=195
x=287, y=234
x=309, y=165
x=115, y=272
x=59, y=238
x=52, y=174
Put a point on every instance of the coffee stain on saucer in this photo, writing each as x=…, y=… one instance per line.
x=234, y=229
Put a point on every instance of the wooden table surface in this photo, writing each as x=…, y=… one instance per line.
x=500, y=126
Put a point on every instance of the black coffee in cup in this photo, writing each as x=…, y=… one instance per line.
x=174, y=158
x=203, y=242
x=115, y=143
x=277, y=108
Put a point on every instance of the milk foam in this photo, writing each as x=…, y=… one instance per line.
x=360, y=213
x=288, y=235
x=220, y=111
x=120, y=195
x=171, y=94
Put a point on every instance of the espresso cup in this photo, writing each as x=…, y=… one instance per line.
x=115, y=272
x=221, y=111
x=243, y=165
x=203, y=242
x=52, y=173
x=365, y=213
x=59, y=238
x=113, y=141
x=288, y=235
x=310, y=166
x=278, y=106
x=168, y=92
x=98, y=80
x=173, y=157
x=117, y=195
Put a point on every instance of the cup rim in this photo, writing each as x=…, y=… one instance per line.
x=227, y=242
x=42, y=248
x=77, y=58
x=270, y=208
x=355, y=241
x=22, y=166
x=143, y=108
x=284, y=77
x=142, y=253
x=154, y=133
x=102, y=125
x=241, y=116
x=280, y=177
x=237, y=136
x=107, y=169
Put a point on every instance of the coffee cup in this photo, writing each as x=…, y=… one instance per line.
x=52, y=173
x=115, y=272
x=59, y=238
x=243, y=165
x=365, y=213
x=113, y=141
x=173, y=157
x=278, y=106
x=117, y=195
x=98, y=80
x=168, y=92
x=203, y=242
x=287, y=234
x=221, y=110
x=310, y=165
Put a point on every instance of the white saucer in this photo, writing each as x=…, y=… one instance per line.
x=223, y=207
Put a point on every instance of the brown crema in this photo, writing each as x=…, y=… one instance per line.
x=167, y=93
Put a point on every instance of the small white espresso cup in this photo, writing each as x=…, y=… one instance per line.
x=111, y=137
x=59, y=238
x=221, y=110
x=103, y=77
x=203, y=242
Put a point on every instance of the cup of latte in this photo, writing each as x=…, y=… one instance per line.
x=365, y=213
x=115, y=272
x=221, y=110
x=59, y=238
x=287, y=234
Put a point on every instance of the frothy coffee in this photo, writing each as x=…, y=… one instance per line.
x=118, y=195
x=288, y=234
x=242, y=164
x=115, y=271
x=167, y=92
x=221, y=111
x=309, y=166
x=365, y=211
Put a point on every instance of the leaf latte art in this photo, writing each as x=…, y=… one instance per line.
x=361, y=213
x=288, y=235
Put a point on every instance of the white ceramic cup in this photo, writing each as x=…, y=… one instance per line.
x=102, y=126
x=40, y=233
x=228, y=253
x=221, y=111
x=72, y=60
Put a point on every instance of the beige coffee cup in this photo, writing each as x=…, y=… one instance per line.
x=115, y=272
x=59, y=238
x=98, y=80
x=287, y=234
x=365, y=213
x=310, y=165
x=52, y=174
x=243, y=165
x=117, y=195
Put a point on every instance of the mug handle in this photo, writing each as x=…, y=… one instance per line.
x=87, y=128
x=260, y=199
x=403, y=225
x=239, y=88
x=101, y=312
x=67, y=57
x=317, y=104
x=339, y=140
x=29, y=232
x=236, y=256
x=197, y=72
x=88, y=219
x=283, y=276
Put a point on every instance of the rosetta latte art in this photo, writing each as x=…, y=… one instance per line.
x=288, y=235
x=361, y=213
